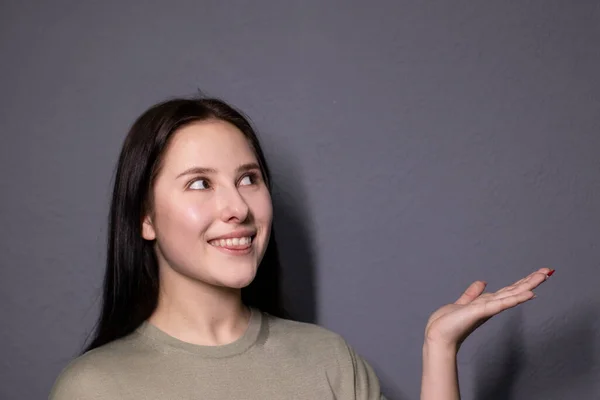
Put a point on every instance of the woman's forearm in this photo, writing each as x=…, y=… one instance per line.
x=440, y=373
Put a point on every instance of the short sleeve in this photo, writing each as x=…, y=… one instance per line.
x=80, y=381
x=360, y=380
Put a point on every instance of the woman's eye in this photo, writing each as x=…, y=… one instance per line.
x=199, y=184
x=249, y=179
x=246, y=181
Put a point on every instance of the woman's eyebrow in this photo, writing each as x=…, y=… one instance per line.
x=197, y=170
x=204, y=170
x=247, y=167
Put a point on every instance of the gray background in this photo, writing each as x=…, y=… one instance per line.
x=416, y=146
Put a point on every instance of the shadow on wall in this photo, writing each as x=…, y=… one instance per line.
x=291, y=224
x=389, y=387
x=562, y=357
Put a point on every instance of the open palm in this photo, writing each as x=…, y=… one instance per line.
x=451, y=324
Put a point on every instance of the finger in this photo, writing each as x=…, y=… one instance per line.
x=493, y=307
x=510, y=287
x=528, y=284
x=484, y=297
x=472, y=292
x=544, y=271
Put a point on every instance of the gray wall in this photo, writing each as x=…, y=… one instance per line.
x=417, y=146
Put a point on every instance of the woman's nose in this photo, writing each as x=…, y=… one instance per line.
x=232, y=206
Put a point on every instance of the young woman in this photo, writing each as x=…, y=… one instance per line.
x=190, y=304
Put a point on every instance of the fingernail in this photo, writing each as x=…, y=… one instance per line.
x=551, y=272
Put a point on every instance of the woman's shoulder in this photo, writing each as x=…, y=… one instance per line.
x=86, y=376
x=305, y=335
x=300, y=328
x=323, y=348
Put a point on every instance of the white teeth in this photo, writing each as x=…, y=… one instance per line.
x=243, y=241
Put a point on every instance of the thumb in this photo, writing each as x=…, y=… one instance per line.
x=473, y=291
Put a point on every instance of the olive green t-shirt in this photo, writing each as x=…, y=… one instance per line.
x=274, y=359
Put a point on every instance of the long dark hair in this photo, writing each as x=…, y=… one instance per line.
x=130, y=292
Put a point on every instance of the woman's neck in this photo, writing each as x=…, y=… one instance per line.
x=199, y=313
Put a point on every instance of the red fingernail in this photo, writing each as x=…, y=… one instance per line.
x=551, y=272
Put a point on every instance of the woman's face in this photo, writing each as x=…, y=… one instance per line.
x=211, y=215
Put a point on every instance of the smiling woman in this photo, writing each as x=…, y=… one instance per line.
x=220, y=195
x=187, y=312
x=190, y=302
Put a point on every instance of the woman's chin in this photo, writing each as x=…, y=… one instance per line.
x=239, y=281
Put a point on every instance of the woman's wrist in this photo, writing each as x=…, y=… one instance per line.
x=431, y=347
x=440, y=375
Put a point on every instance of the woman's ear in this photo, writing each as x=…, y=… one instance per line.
x=148, y=231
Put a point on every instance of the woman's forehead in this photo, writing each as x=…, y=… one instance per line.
x=209, y=144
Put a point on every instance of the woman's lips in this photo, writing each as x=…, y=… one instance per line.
x=233, y=246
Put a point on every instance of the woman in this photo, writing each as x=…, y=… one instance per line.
x=187, y=312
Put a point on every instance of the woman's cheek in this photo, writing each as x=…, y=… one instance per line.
x=261, y=203
x=196, y=216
